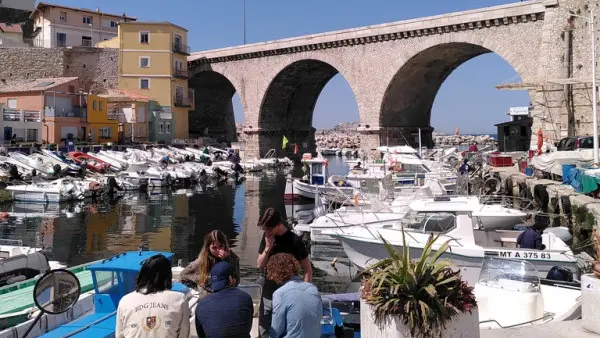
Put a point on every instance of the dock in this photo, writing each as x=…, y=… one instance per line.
x=567, y=329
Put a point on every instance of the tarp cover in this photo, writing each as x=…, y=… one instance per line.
x=552, y=162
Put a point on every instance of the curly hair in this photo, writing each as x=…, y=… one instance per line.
x=282, y=267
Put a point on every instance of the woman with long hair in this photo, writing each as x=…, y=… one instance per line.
x=215, y=249
x=153, y=310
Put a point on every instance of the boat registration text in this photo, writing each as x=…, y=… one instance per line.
x=519, y=254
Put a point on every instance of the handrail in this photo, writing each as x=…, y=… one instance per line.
x=544, y=317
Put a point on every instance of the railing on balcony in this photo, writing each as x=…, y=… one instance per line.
x=86, y=43
x=181, y=48
x=180, y=101
x=180, y=73
x=77, y=112
x=113, y=115
x=21, y=115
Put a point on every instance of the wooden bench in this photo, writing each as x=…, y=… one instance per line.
x=503, y=240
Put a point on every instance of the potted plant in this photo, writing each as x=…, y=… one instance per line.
x=401, y=297
x=590, y=291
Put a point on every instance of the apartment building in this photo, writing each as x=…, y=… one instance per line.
x=45, y=109
x=153, y=63
x=63, y=26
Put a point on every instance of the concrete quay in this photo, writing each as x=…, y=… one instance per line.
x=568, y=329
x=561, y=202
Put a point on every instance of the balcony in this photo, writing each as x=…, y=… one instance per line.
x=74, y=112
x=180, y=101
x=181, y=49
x=21, y=115
x=180, y=73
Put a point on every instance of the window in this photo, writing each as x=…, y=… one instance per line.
x=32, y=135
x=161, y=128
x=144, y=37
x=86, y=41
x=71, y=89
x=178, y=65
x=144, y=61
x=100, y=105
x=94, y=104
x=144, y=83
x=113, y=24
x=61, y=40
x=87, y=20
x=167, y=127
x=427, y=222
x=106, y=132
x=12, y=103
x=63, y=16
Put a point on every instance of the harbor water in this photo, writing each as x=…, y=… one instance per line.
x=174, y=220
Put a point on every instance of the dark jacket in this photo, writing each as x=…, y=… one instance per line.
x=225, y=314
x=530, y=239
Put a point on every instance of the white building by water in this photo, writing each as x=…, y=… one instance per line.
x=63, y=26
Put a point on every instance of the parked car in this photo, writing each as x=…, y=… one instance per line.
x=576, y=142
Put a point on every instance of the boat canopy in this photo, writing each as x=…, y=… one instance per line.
x=127, y=261
x=446, y=204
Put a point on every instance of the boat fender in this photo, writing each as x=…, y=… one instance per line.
x=541, y=197
x=508, y=187
x=45, y=197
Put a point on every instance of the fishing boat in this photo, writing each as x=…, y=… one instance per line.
x=17, y=299
x=456, y=223
x=316, y=179
x=93, y=163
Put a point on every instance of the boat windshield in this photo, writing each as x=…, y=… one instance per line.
x=428, y=222
x=509, y=274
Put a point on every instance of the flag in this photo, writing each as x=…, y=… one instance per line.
x=285, y=142
x=296, y=148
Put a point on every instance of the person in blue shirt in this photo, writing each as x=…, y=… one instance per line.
x=464, y=168
x=227, y=312
x=531, y=238
x=297, y=305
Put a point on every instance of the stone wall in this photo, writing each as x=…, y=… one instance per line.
x=96, y=68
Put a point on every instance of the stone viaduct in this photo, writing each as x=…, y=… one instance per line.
x=395, y=71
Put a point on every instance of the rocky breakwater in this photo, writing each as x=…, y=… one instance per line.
x=458, y=140
x=343, y=135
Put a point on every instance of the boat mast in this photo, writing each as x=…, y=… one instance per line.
x=420, y=155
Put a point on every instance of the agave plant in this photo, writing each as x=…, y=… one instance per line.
x=424, y=293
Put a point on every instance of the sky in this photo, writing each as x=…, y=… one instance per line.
x=469, y=95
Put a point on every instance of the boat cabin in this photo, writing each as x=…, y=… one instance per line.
x=316, y=170
x=113, y=278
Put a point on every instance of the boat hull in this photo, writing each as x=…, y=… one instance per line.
x=363, y=254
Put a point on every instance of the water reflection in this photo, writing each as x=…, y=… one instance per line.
x=175, y=221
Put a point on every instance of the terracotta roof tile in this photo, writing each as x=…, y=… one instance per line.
x=10, y=28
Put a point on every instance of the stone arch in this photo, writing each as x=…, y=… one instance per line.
x=288, y=103
x=213, y=108
x=409, y=96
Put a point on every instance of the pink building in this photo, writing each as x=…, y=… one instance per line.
x=58, y=103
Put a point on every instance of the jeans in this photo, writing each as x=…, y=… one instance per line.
x=264, y=319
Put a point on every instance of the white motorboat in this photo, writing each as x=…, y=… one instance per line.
x=156, y=176
x=510, y=293
x=18, y=262
x=44, y=168
x=56, y=191
x=457, y=224
x=54, y=160
x=330, y=151
x=315, y=180
x=114, y=164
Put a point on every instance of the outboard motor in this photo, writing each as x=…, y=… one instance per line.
x=560, y=273
x=112, y=185
x=237, y=168
x=57, y=169
x=13, y=171
x=33, y=173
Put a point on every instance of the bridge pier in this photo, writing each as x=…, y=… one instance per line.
x=373, y=137
x=260, y=140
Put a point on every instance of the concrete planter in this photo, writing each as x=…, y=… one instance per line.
x=463, y=326
x=590, y=303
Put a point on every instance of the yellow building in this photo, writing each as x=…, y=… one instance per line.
x=102, y=125
x=153, y=62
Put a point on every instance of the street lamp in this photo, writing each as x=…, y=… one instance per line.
x=594, y=100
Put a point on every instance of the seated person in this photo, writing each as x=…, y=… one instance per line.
x=297, y=305
x=153, y=310
x=228, y=311
x=532, y=238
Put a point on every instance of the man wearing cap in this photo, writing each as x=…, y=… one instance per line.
x=227, y=312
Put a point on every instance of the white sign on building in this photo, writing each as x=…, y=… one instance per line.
x=518, y=111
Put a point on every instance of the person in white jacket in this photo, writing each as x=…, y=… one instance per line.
x=153, y=310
